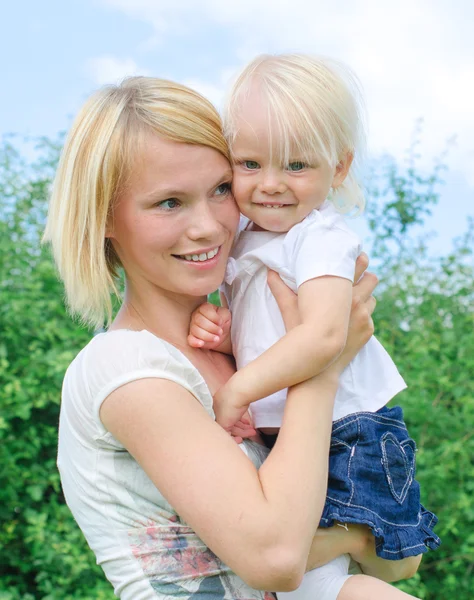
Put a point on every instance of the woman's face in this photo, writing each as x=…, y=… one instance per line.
x=174, y=224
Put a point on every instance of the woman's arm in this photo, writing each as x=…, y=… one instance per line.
x=261, y=523
x=357, y=540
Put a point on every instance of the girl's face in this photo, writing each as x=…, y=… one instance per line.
x=173, y=225
x=273, y=196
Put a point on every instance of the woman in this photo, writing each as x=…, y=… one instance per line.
x=169, y=504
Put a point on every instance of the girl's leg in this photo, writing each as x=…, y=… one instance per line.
x=364, y=587
x=323, y=583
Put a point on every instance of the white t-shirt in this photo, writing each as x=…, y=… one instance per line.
x=322, y=244
x=145, y=549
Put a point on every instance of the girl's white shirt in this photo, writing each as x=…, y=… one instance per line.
x=322, y=244
x=145, y=549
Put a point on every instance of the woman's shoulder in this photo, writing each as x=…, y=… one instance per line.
x=115, y=358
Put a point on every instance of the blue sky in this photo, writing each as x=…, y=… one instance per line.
x=415, y=59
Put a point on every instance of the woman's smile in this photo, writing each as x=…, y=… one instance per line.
x=174, y=230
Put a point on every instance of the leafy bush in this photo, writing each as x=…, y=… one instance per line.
x=42, y=552
x=424, y=318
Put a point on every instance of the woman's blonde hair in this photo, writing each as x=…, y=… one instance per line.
x=315, y=111
x=100, y=150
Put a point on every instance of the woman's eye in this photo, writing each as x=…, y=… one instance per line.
x=251, y=165
x=223, y=189
x=297, y=165
x=168, y=204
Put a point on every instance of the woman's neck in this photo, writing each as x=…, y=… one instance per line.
x=163, y=313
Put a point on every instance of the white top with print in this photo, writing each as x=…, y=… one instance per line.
x=144, y=548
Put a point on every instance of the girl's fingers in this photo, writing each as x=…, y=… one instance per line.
x=223, y=314
x=209, y=311
x=201, y=322
x=202, y=334
x=194, y=342
x=242, y=432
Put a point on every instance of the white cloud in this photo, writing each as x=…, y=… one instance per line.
x=415, y=58
x=109, y=69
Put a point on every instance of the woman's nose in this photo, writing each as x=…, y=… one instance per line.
x=203, y=222
x=272, y=181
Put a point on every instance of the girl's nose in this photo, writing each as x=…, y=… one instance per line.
x=272, y=181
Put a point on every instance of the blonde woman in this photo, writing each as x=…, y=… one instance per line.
x=168, y=503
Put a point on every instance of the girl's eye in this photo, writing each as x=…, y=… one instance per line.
x=168, y=204
x=251, y=165
x=223, y=189
x=297, y=165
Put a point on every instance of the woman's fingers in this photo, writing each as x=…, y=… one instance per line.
x=361, y=266
x=286, y=299
x=364, y=288
x=371, y=304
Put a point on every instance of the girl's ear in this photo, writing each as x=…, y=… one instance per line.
x=342, y=169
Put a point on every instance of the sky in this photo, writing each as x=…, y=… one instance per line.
x=414, y=58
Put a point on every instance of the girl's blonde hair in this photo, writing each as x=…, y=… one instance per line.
x=101, y=148
x=315, y=112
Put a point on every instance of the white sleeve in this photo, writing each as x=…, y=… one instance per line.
x=320, y=249
x=119, y=357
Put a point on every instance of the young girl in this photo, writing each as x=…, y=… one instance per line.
x=294, y=124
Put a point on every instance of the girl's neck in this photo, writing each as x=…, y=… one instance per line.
x=163, y=313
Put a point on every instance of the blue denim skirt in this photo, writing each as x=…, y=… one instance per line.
x=372, y=481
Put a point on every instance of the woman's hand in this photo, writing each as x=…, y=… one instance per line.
x=361, y=326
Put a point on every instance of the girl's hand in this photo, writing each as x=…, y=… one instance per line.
x=243, y=429
x=210, y=327
x=228, y=407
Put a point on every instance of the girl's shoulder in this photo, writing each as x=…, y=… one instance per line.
x=323, y=224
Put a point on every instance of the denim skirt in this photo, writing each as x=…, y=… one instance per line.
x=372, y=482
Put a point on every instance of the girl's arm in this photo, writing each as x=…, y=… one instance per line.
x=260, y=523
x=324, y=305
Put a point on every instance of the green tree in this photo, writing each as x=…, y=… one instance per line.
x=424, y=318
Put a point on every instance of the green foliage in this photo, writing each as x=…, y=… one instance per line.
x=424, y=318
x=42, y=552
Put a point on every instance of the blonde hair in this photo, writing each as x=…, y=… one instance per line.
x=315, y=109
x=100, y=150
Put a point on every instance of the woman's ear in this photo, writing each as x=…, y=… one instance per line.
x=342, y=169
x=109, y=227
